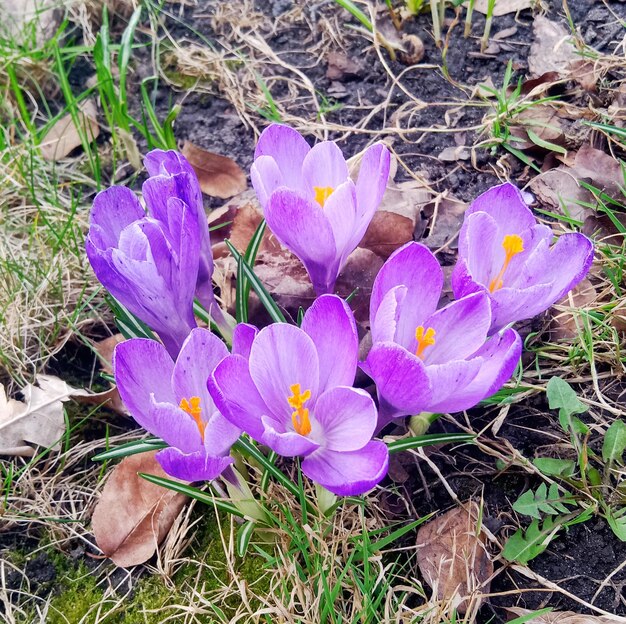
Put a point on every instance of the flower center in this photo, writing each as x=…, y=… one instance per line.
x=425, y=338
x=512, y=245
x=322, y=193
x=192, y=407
x=300, y=418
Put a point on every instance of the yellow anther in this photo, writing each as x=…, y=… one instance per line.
x=512, y=245
x=322, y=193
x=425, y=338
x=300, y=418
x=192, y=407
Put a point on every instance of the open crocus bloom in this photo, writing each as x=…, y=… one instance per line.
x=290, y=389
x=505, y=253
x=148, y=265
x=311, y=204
x=428, y=360
x=170, y=400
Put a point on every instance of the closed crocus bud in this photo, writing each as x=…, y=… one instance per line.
x=311, y=204
x=506, y=254
x=149, y=266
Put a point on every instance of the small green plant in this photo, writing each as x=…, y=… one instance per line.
x=591, y=484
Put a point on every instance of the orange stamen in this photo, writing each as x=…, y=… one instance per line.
x=512, y=244
x=425, y=338
x=322, y=193
x=300, y=418
x=192, y=407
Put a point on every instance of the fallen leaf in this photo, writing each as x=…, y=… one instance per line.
x=454, y=153
x=110, y=399
x=15, y=15
x=502, y=8
x=564, y=325
x=64, y=136
x=386, y=232
x=535, y=125
x=452, y=558
x=104, y=349
x=219, y=176
x=552, y=49
x=561, y=617
x=133, y=516
x=445, y=217
x=38, y=420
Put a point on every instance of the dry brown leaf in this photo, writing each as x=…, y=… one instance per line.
x=64, y=136
x=543, y=120
x=445, y=217
x=386, y=232
x=341, y=67
x=552, y=49
x=104, y=349
x=133, y=516
x=38, y=420
x=219, y=176
x=564, y=324
x=562, y=617
x=110, y=399
x=502, y=8
x=559, y=187
x=452, y=558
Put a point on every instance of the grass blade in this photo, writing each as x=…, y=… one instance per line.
x=428, y=440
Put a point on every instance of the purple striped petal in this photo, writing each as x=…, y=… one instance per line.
x=302, y=227
x=281, y=356
x=461, y=328
x=236, y=396
x=385, y=324
x=287, y=147
x=449, y=379
x=401, y=378
x=498, y=359
x=413, y=266
x=192, y=467
x=266, y=177
x=372, y=181
x=282, y=439
x=347, y=418
x=324, y=166
x=243, y=337
x=332, y=328
x=348, y=473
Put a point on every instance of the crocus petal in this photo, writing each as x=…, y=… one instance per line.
x=480, y=247
x=281, y=356
x=506, y=205
x=113, y=209
x=191, y=467
x=509, y=305
x=324, y=166
x=372, y=181
x=446, y=380
x=401, y=378
x=498, y=359
x=460, y=328
x=331, y=325
x=142, y=368
x=413, y=266
x=562, y=266
x=302, y=227
x=266, y=177
x=166, y=162
x=201, y=352
x=243, y=337
x=347, y=418
x=287, y=147
x=340, y=210
x=348, y=473
x=284, y=441
x=236, y=396
x=174, y=425
x=384, y=325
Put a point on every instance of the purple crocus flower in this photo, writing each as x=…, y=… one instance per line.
x=505, y=253
x=311, y=204
x=172, y=176
x=148, y=265
x=290, y=388
x=428, y=360
x=170, y=400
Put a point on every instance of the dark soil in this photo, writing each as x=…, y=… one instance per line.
x=579, y=559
